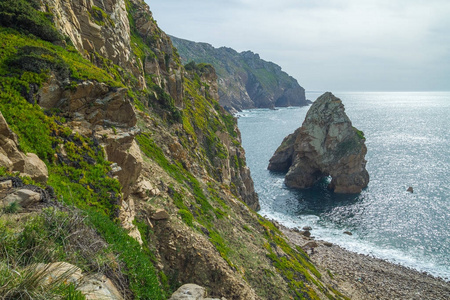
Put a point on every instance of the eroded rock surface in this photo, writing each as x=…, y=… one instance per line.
x=326, y=145
x=15, y=160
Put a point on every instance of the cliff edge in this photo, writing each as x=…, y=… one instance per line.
x=245, y=80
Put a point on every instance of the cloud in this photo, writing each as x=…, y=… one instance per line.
x=328, y=44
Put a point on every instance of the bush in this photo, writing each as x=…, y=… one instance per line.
x=38, y=59
x=22, y=15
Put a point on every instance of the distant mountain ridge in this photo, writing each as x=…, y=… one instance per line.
x=245, y=80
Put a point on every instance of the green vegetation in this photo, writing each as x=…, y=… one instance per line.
x=58, y=235
x=24, y=16
x=295, y=266
x=359, y=133
x=12, y=208
x=82, y=180
x=100, y=17
x=81, y=176
x=140, y=271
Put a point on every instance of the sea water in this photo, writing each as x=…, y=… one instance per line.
x=408, y=140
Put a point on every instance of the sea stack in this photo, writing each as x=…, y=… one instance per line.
x=326, y=145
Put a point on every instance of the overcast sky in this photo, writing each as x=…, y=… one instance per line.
x=351, y=45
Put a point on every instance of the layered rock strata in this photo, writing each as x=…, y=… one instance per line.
x=326, y=145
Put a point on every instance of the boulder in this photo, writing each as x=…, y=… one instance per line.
x=305, y=233
x=326, y=145
x=93, y=287
x=309, y=245
x=160, y=214
x=145, y=189
x=410, y=189
x=35, y=168
x=22, y=197
x=191, y=292
x=5, y=185
x=348, y=233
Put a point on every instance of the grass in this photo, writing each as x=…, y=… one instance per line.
x=359, y=133
x=68, y=235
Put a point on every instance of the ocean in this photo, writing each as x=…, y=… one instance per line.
x=408, y=140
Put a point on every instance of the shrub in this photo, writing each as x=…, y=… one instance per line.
x=38, y=59
x=24, y=16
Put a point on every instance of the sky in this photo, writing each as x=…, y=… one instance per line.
x=327, y=45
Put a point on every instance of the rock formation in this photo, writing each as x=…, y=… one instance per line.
x=326, y=145
x=15, y=160
x=245, y=80
x=129, y=133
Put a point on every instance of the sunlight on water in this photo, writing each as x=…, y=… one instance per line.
x=408, y=141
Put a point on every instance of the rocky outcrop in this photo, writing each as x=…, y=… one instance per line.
x=95, y=26
x=245, y=80
x=100, y=29
x=191, y=292
x=232, y=168
x=15, y=160
x=326, y=145
x=89, y=102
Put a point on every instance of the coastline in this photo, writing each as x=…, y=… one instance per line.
x=362, y=277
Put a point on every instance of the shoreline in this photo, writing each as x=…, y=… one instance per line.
x=362, y=277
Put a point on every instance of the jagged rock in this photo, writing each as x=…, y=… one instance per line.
x=91, y=102
x=127, y=216
x=326, y=145
x=4, y=185
x=110, y=37
x=14, y=160
x=144, y=189
x=160, y=214
x=307, y=228
x=22, y=197
x=410, y=189
x=123, y=150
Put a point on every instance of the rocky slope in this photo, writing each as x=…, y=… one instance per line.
x=147, y=180
x=245, y=80
x=326, y=145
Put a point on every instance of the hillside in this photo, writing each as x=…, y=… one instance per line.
x=245, y=80
x=120, y=173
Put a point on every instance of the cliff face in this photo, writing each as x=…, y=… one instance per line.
x=245, y=80
x=326, y=145
x=143, y=150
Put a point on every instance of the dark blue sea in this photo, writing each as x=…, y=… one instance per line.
x=408, y=140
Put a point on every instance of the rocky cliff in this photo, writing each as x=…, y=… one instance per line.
x=147, y=180
x=245, y=80
x=326, y=145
